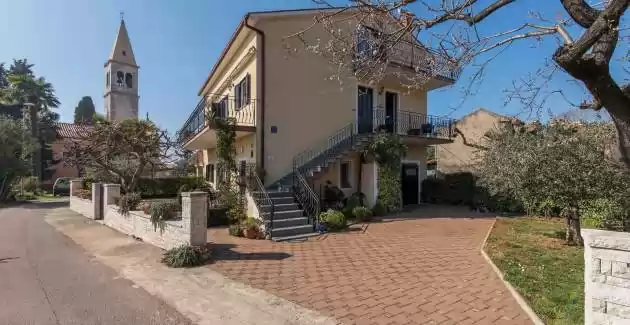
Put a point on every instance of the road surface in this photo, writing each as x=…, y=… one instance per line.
x=45, y=278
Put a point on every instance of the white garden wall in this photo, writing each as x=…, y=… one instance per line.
x=606, y=277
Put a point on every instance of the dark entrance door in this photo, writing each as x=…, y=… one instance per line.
x=391, y=102
x=409, y=183
x=364, y=109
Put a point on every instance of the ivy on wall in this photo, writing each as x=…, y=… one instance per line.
x=226, y=146
x=388, y=150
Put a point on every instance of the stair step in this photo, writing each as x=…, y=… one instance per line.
x=274, y=194
x=295, y=237
x=279, y=215
x=291, y=231
x=283, y=200
x=280, y=207
x=291, y=222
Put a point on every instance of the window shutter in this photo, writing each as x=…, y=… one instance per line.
x=247, y=89
x=237, y=95
x=208, y=172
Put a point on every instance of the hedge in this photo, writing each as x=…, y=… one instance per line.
x=166, y=187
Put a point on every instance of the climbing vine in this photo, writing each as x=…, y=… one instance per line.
x=388, y=150
x=231, y=197
x=226, y=143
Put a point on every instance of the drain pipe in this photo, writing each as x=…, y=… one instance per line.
x=260, y=78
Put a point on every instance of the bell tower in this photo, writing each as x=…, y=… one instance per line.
x=121, y=79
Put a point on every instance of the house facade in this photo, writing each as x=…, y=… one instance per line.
x=299, y=127
x=466, y=149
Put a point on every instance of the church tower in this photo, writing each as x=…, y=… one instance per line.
x=121, y=79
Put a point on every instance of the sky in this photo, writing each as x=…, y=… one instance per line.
x=176, y=43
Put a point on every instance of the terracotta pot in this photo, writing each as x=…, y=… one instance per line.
x=250, y=233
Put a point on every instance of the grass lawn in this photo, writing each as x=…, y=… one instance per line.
x=535, y=260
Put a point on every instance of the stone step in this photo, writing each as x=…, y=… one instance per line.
x=283, y=200
x=283, y=223
x=295, y=237
x=291, y=231
x=280, y=207
x=279, y=215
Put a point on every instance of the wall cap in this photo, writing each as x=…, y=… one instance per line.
x=194, y=194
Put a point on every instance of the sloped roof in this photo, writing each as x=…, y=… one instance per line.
x=71, y=130
x=122, y=52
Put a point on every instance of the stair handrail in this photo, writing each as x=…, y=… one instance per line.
x=304, y=157
x=260, y=195
x=306, y=196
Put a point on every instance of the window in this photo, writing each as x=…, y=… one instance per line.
x=124, y=53
x=344, y=175
x=107, y=79
x=120, y=77
x=242, y=92
x=129, y=80
x=220, y=108
x=363, y=43
x=210, y=173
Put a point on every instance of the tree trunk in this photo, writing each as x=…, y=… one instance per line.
x=573, y=231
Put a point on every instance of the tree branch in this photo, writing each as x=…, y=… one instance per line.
x=581, y=12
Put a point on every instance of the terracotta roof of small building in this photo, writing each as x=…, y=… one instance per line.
x=71, y=130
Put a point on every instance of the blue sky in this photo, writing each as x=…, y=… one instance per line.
x=177, y=42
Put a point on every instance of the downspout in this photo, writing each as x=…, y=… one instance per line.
x=260, y=78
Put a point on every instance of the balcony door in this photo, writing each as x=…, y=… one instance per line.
x=391, y=108
x=365, y=104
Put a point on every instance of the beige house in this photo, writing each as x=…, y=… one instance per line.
x=302, y=128
x=464, y=152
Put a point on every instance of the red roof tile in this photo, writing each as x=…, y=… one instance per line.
x=70, y=130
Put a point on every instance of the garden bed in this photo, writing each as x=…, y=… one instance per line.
x=534, y=258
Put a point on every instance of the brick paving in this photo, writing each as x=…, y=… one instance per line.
x=418, y=271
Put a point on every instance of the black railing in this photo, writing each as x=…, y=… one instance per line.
x=241, y=111
x=423, y=59
x=306, y=196
x=412, y=123
x=260, y=196
x=325, y=148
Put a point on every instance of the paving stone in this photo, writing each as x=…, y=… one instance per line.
x=418, y=271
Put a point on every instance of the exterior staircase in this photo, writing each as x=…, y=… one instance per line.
x=288, y=221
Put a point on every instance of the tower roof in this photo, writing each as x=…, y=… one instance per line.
x=122, y=52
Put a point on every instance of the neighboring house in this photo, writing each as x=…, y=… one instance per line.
x=464, y=152
x=66, y=132
x=300, y=127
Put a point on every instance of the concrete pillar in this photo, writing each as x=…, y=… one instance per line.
x=195, y=216
x=97, y=200
x=75, y=184
x=369, y=183
x=111, y=192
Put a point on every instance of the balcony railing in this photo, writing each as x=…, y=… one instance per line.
x=412, y=123
x=241, y=111
x=421, y=59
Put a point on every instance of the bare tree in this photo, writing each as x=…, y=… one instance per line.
x=437, y=38
x=124, y=150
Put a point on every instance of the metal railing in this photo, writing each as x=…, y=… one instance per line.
x=260, y=196
x=412, y=123
x=241, y=111
x=340, y=138
x=306, y=196
x=423, y=59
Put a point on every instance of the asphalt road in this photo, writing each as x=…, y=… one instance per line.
x=45, y=278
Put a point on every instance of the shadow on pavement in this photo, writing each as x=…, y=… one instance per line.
x=224, y=252
x=47, y=204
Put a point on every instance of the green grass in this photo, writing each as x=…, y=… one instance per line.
x=536, y=261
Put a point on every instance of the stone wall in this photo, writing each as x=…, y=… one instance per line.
x=189, y=229
x=606, y=277
x=79, y=205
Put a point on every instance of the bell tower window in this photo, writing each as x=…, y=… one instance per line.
x=107, y=76
x=129, y=80
x=120, y=77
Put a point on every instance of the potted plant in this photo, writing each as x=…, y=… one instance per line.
x=251, y=228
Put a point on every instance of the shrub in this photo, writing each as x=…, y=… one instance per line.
x=379, y=210
x=351, y=203
x=251, y=228
x=166, y=187
x=83, y=194
x=87, y=183
x=186, y=256
x=455, y=189
x=128, y=202
x=362, y=213
x=333, y=219
x=605, y=214
x=217, y=216
x=389, y=189
x=161, y=211
x=235, y=230
x=30, y=184
x=333, y=196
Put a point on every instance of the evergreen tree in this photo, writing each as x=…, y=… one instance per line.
x=85, y=110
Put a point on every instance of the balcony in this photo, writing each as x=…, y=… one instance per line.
x=420, y=59
x=196, y=132
x=414, y=126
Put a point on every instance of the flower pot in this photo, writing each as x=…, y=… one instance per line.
x=250, y=233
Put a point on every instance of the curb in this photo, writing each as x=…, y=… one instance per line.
x=519, y=299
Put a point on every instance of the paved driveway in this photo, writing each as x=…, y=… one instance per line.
x=420, y=271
